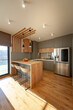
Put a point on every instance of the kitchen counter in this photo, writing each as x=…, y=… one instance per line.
x=48, y=64
x=29, y=62
x=43, y=59
x=35, y=70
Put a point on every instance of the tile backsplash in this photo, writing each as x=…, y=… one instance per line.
x=49, y=55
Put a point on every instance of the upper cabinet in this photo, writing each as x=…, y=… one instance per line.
x=45, y=50
x=18, y=43
x=27, y=47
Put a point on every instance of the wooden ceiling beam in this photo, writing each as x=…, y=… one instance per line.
x=28, y=35
x=24, y=33
x=19, y=32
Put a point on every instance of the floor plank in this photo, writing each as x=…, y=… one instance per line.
x=54, y=92
x=4, y=102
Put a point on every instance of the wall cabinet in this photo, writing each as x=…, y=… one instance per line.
x=45, y=50
x=26, y=43
x=17, y=45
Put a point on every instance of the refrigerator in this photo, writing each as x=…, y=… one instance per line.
x=62, y=61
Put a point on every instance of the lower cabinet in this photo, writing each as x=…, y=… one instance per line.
x=48, y=65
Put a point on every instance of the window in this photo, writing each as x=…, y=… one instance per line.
x=4, y=60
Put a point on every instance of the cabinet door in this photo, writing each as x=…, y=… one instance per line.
x=29, y=48
x=45, y=50
x=26, y=43
x=48, y=65
x=51, y=49
x=40, y=50
x=45, y=65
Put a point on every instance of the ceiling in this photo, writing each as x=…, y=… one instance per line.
x=56, y=14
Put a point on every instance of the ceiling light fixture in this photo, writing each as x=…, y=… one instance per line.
x=44, y=25
x=23, y=3
x=39, y=38
x=9, y=22
x=52, y=34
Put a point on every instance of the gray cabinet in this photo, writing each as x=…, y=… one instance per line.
x=48, y=65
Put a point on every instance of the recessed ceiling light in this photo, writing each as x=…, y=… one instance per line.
x=23, y=4
x=44, y=25
x=52, y=34
x=9, y=22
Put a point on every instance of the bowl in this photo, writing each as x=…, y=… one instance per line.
x=25, y=59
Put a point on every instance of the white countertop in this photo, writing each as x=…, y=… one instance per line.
x=42, y=59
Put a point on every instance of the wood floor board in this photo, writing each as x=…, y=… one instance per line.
x=53, y=92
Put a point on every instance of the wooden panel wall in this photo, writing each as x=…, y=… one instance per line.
x=16, y=44
x=36, y=73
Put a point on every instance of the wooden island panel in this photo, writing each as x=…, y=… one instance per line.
x=36, y=73
x=36, y=70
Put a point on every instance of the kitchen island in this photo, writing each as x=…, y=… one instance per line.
x=34, y=68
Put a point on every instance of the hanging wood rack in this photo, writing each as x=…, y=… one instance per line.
x=24, y=33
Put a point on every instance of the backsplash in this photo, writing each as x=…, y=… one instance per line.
x=49, y=55
x=20, y=55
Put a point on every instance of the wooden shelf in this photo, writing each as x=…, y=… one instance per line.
x=45, y=50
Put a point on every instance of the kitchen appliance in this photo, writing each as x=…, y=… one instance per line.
x=62, y=61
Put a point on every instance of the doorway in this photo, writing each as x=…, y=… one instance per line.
x=4, y=60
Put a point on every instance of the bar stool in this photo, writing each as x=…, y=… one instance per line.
x=18, y=68
x=13, y=69
x=25, y=72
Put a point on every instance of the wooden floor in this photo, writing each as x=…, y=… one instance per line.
x=54, y=92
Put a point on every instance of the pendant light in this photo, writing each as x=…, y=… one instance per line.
x=23, y=46
x=30, y=45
